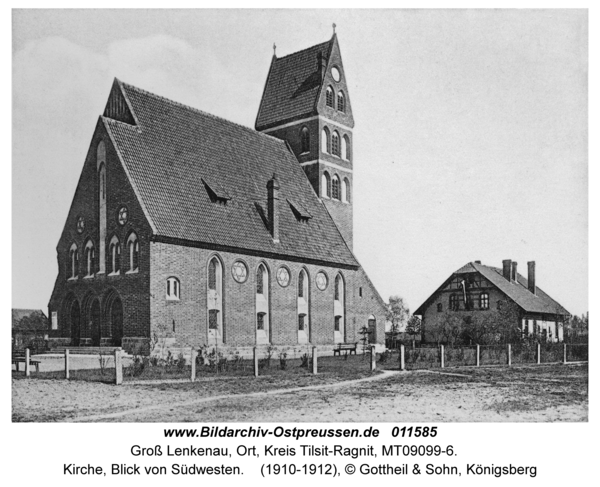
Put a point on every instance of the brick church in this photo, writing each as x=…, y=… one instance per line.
x=188, y=227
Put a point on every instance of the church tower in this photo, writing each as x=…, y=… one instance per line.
x=306, y=103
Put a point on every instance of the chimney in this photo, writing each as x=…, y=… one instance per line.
x=321, y=64
x=514, y=271
x=478, y=262
x=273, y=207
x=506, y=264
x=531, y=277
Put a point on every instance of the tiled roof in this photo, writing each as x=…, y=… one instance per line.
x=516, y=291
x=292, y=87
x=174, y=148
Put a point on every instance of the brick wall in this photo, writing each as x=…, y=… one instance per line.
x=189, y=265
x=131, y=288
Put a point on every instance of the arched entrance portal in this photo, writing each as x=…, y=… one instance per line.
x=95, y=320
x=75, y=318
x=116, y=321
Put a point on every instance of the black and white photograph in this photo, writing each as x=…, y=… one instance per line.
x=269, y=216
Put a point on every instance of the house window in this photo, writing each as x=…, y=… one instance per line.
x=346, y=147
x=484, y=301
x=73, y=261
x=335, y=188
x=133, y=251
x=360, y=291
x=325, y=141
x=341, y=102
x=114, y=256
x=173, y=288
x=305, y=140
x=260, y=321
x=90, y=257
x=439, y=307
x=454, y=303
x=326, y=185
x=329, y=97
x=335, y=143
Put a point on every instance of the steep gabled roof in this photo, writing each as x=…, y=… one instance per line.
x=516, y=291
x=292, y=87
x=172, y=153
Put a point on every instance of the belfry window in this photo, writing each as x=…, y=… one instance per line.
x=305, y=140
x=335, y=143
x=346, y=190
x=341, y=102
x=325, y=141
x=346, y=147
x=329, y=97
x=335, y=188
x=326, y=185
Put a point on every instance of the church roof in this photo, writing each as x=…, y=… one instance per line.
x=517, y=291
x=176, y=157
x=293, y=86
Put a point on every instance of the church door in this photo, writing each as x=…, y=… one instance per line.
x=95, y=319
x=75, y=324
x=116, y=322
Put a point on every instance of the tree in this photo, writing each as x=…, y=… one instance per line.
x=413, y=326
x=32, y=329
x=397, y=315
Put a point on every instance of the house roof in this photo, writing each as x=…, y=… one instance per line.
x=517, y=291
x=19, y=313
x=172, y=152
x=293, y=86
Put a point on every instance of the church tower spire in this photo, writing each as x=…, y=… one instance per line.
x=306, y=103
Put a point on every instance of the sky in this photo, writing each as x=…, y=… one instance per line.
x=470, y=140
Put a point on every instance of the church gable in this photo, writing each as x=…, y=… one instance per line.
x=118, y=107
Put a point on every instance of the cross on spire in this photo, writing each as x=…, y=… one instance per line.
x=274, y=49
x=334, y=26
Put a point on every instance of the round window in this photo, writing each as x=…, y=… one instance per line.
x=321, y=281
x=283, y=276
x=239, y=271
x=80, y=224
x=123, y=215
x=335, y=72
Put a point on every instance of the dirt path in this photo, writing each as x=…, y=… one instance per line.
x=254, y=395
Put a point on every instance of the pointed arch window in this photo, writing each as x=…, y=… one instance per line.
x=212, y=274
x=325, y=148
x=339, y=305
x=335, y=143
x=335, y=187
x=114, y=256
x=346, y=147
x=216, y=327
x=262, y=310
x=90, y=259
x=260, y=285
x=133, y=252
x=341, y=102
x=73, y=261
x=346, y=190
x=301, y=284
x=326, y=185
x=305, y=140
x=329, y=97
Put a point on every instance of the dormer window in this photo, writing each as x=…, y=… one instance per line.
x=216, y=192
x=329, y=97
x=299, y=211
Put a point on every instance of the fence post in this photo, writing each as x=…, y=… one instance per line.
x=255, y=362
x=193, y=359
x=539, y=354
x=27, y=365
x=402, y=364
x=442, y=356
x=564, y=353
x=314, y=360
x=508, y=354
x=373, y=358
x=118, y=368
x=66, y=363
x=478, y=354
